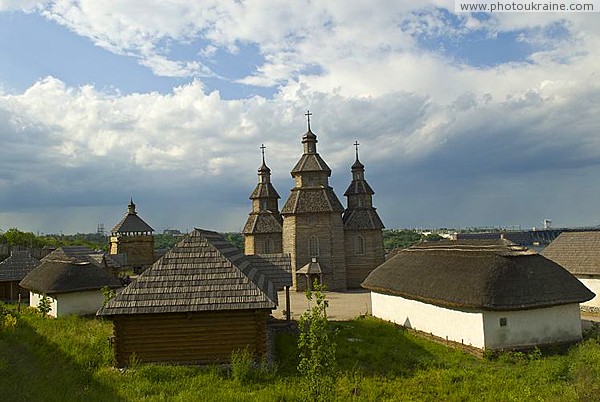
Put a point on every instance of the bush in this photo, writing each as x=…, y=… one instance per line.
x=45, y=306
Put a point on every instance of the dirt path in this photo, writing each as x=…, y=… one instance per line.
x=342, y=305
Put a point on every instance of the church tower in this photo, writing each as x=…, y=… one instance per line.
x=312, y=220
x=262, y=232
x=362, y=228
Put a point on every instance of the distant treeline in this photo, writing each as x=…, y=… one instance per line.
x=392, y=238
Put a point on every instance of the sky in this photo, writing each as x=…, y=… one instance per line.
x=463, y=119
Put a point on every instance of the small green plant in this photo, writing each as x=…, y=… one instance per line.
x=317, y=347
x=108, y=294
x=45, y=305
x=242, y=365
x=9, y=323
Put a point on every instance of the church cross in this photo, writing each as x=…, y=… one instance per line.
x=356, y=144
x=262, y=150
x=308, y=114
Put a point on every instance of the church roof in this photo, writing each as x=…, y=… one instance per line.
x=362, y=218
x=578, y=252
x=17, y=266
x=203, y=272
x=264, y=190
x=359, y=187
x=69, y=275
x=321, y=199
x=487, y=277
x=263, y=222
x=131, y=223
x=311, y=163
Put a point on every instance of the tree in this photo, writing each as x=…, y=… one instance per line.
x=45, y=306
x=317, y=347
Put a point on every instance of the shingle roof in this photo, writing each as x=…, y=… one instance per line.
x=276, y=267
x=17, y=266
x=488, y=277
x=359, y=187
x=321, y=199
x=131, y=223
x=53, y=276
x=203, y=272
x=578, y=252
x=263, y=222
x=362, y=218
x=264, y=190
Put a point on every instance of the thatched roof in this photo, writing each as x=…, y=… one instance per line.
x=17, y=266
x=578, y=252
x=277, y=268
x=131, y=223
x=53, y=276
x=203, y=272
x=488, y=277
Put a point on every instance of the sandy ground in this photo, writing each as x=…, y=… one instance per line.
x=342, y=305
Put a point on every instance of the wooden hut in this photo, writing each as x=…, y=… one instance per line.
x=484, y=295
x=202, y=300
x=73, y=287
x=85, y=254
x=579, y=253
x=12, y=271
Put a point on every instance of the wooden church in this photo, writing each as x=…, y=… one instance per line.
x=313, y=226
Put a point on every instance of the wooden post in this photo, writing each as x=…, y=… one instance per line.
x=19, y=304
x=287, y=303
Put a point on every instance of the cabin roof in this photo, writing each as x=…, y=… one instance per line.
x=66, y=276
x=203, y=272
x=277, y=267
x=480, y=276
x=17, y=266
x=578, y=252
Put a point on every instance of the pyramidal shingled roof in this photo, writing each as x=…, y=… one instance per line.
x=488, y=277
x=203, y=272
x=131, y=223
x=578, y=252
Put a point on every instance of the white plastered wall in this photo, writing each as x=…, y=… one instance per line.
x=455, y=325
x=80, y=303
x=594, y=286
x=532, y=327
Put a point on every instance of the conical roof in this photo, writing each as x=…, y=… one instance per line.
x=203, y=272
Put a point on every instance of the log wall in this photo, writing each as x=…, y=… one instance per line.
x=189, y=338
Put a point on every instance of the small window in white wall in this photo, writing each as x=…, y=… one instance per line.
x=503, y=321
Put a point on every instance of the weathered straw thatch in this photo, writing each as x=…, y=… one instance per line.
x=17, y=266
x=578, y=252
x=53, y=277
x=204, y=272
x=277, y=268
x=83, y=254
x=488, y=277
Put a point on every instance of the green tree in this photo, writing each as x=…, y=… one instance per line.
x=317, y=347
x=45, y=305
x=393, y=238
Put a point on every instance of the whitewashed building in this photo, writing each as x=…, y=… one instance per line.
x=579, y=253
x=490, y=295
x=72, y=286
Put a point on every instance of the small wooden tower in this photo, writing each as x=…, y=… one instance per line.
x=262, y=232
x=312, y=219
x=362, y=228
x=133, y=237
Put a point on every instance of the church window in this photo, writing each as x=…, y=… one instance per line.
x=269, y=246
x=359, y=245
x=263, y=205
x=361, y=202
x=311, y=180
x=312, y=220
x=356, y=176
x=313, y=246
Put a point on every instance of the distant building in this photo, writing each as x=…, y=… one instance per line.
x=12, y=271
x=134, y=238
x=345, y=243
x=72, y=286
x=196, y=305
x=579, y=253
x=485, y=295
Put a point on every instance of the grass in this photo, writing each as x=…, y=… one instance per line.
x=69, y=359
